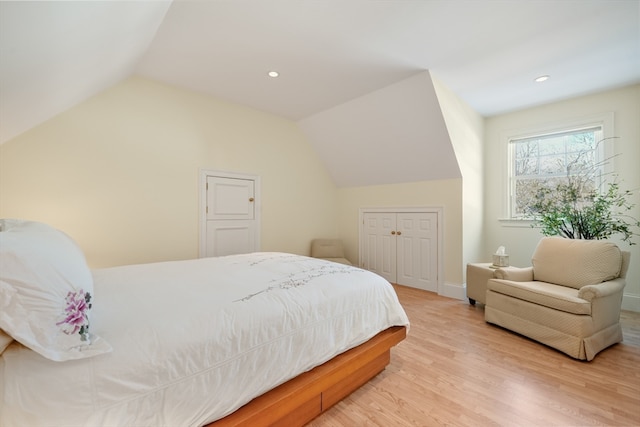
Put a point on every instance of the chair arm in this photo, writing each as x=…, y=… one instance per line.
x=599, y=290
x=515, y=274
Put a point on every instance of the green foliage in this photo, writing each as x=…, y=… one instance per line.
x=572, y=208
x=570, y=216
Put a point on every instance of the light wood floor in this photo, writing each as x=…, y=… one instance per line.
x=456, y=370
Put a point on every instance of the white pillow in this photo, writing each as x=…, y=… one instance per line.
x=46, y=291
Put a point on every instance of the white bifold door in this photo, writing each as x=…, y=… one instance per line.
x=402, y=247
x=231, y=217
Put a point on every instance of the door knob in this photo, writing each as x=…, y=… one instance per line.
x=251, y=199
x=393, y=232
x=399, y=233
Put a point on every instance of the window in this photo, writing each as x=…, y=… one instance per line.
x=539, y=162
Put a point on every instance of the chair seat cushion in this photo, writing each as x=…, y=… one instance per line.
x=561, y=298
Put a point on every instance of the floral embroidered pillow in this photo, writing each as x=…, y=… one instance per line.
x=46, y=292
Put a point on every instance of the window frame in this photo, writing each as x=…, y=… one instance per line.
x=605, y=151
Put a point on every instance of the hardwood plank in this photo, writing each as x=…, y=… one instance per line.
x=454, y=369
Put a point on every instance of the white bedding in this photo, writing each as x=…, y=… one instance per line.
x=195, y=340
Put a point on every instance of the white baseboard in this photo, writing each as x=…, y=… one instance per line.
x=453, y=291
x=631, y=302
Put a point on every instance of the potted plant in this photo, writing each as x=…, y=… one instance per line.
x=573, y=207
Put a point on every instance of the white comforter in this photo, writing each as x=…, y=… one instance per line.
x=195, y=340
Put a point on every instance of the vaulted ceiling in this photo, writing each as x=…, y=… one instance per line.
x=54, y=54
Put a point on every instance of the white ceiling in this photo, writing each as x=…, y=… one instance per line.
x=54, y=55
x=388, y=136
x=330, y=51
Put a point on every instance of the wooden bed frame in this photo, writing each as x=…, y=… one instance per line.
x=306, y=396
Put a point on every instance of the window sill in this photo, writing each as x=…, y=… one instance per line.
x=517, y=223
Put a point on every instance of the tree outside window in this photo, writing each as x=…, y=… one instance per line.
x=541, y=163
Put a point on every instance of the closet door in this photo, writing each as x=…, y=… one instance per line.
x=379, y=244
x=417, y=246
x=402, y=247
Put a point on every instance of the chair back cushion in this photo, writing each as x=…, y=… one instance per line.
x=575, y=263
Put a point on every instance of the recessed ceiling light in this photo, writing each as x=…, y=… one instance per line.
x=273, y=74
x=541, y=79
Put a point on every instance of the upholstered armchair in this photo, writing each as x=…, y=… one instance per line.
x=329, y=249
x=569, y=299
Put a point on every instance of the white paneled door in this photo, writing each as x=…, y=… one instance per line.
x=379, y=244
x=231, y=216
x=402, y=247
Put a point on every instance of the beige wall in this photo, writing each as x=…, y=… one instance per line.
x=119, y=173
x=521, y=240
x=443, y=193
x=466, y=130
x=460, y=198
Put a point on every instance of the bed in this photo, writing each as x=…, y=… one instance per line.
x=262, y=338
